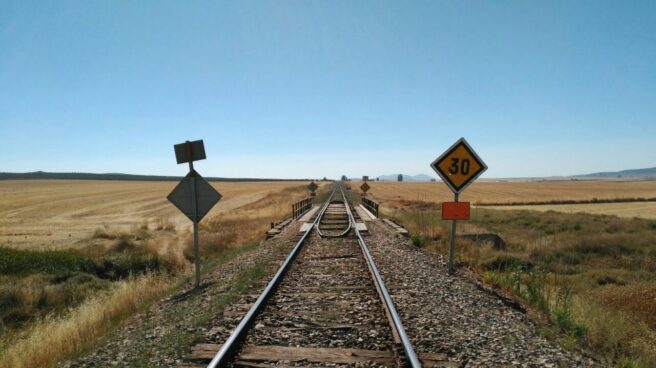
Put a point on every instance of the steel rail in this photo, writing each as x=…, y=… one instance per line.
x=228, y=349
x=405, y=341
x=348, y=228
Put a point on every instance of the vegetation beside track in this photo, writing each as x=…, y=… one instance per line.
x=68, y=299
x=53, y=303
x=591, y=279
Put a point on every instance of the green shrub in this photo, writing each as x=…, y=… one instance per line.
x=418, y=240
x=496, y=279
x=124, y=245
x=627, y=363
x=535, y=290
x=121, y=267
x=25, y=262
x=22, y=262
x=504, y=262
x=563, y=314
x=8, y=299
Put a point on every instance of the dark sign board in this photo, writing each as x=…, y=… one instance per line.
x=206, y=196
x=189, y=151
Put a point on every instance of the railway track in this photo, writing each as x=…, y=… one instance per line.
x=327, y=304
x=335, y=221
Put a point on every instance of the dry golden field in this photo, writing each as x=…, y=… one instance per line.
x=54, y=214
x=645, y=210
x=129, y=247
x=395, y=194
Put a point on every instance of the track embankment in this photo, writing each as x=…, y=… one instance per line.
x=451, y=314
x=161, y=335
x=326, y=302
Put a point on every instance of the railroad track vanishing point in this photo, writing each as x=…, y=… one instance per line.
x=326, y=305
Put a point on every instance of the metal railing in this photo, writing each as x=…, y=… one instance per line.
x=370, y=205
x=301, y=207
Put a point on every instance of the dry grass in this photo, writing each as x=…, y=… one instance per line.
x=53, y=338
x=396, y=195
x=637, y=300
x=592, y=276
x=115, y=219
x=248, y=223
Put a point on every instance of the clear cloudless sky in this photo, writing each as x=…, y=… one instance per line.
x=324, y=88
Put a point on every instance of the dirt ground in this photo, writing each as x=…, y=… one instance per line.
x=48, y=214
x=393, y=193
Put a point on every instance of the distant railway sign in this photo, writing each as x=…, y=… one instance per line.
x=312, y=186
x=459, y=166
x=189, y=151
x=206, y=196
x=194, y=196
x=365, y=187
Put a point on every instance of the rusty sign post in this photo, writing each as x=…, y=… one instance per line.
x=194, y=196
x=459, y=166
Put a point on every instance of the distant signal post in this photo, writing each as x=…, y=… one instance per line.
x=458, y=166
x=193, y=196
x=364, y=188
x=312, y=187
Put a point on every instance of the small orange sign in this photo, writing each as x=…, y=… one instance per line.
x=455, y=210
x=459, y=166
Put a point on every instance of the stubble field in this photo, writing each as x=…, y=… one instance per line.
x=57, y=214
x=397, y=194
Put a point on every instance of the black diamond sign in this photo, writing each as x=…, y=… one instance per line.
x=312, y=187
x=206, y=196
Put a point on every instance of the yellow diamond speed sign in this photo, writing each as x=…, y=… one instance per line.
x=459, y=166
x=365, y=187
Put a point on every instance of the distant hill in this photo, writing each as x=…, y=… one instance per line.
x=649, y=173
x=118, y=176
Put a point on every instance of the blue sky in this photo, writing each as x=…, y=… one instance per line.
x=321, y=88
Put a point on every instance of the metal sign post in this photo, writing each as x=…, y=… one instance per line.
x=312, y=187
x=194, y=210
x=452, y=240
x=459, y=166
x=196, y=198
x=364, y=188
